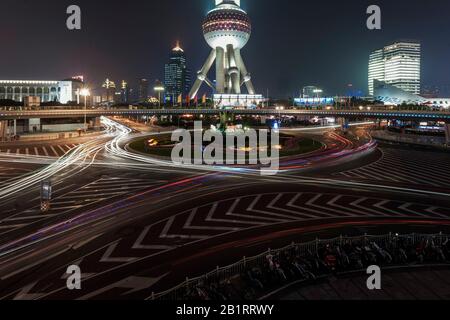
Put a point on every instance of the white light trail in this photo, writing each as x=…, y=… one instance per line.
x=73, y=162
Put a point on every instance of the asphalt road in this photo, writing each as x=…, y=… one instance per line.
x=138, y=227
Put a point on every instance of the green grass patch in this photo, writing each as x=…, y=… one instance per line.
x=304, y=146
x=164, y=149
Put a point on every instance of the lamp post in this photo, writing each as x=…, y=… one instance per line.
x=159, y=88
x=85, y=93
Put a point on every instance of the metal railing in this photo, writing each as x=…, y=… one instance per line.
x=388, y=241
x=64, y=113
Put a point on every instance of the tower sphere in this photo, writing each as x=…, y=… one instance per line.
x=227, y=24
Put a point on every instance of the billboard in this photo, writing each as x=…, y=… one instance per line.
x=313, y=101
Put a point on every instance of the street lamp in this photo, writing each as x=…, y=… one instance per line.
x=85, y=93
x=159, y=88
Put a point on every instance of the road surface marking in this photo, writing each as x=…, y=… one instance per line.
x=45, y=151
x=54, y=151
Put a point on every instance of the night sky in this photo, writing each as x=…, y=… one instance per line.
x=294, y=42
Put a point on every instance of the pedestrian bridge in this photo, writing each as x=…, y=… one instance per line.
x=350, y=114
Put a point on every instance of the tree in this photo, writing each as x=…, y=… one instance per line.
x=10, y=103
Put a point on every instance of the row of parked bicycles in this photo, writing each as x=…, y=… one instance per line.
x=294, y=264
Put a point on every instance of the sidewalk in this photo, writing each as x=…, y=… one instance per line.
x=385, y=135
x=43, y=137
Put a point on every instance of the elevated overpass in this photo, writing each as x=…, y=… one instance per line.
x=349, y=114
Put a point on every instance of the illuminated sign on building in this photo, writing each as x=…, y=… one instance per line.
x=238, y=100
x=313, y=101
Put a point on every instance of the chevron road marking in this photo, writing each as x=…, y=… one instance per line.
x=107, y=257
x=135, y=284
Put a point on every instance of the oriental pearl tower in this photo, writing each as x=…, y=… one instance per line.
x=227, y=29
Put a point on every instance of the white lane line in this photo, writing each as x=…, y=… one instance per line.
x=430, y=164
x=345, y=209
x=381, y=172
x=45, y=151
x=83, y=196
x=345, y=174
x=303, y=215
x=12, y=226
x=231, y=213
x=369, y=175
x=359, y=201
x=280, y=217
x=36, y=152
x=316, y=213
x=60, y=148
x=27, y=152
x=120, y=187
x=139, y=246
x=406, y=208
x=188, y=224
x=212, y=219
x=34, y=264
x=413, y=175
x=54, y=151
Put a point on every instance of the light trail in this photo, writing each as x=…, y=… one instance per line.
x=115, y=148
x=73, y=162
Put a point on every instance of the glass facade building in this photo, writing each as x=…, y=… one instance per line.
x=143, y=90
x=399, y=65
x=177, y=77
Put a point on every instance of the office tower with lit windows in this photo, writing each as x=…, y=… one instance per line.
x=124, y=92
x=143, y=90
x=376, y=68
x=177, y=76
x=109, y=91
x=399, y=65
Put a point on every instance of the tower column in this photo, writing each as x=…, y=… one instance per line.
x=245, y=75
x=233, y=71
x=201, y=76
x=220, y=70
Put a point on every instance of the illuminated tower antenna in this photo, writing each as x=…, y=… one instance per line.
x=237, y=2
x=227, y=29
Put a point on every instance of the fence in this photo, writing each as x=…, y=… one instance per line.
x=388, y=241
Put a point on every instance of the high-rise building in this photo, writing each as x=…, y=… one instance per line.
x=109, y=91
x=124, y=92
x=312, y=92
x=177, y=76
x=398, y=64
x=376, y=68
x=143, y=90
